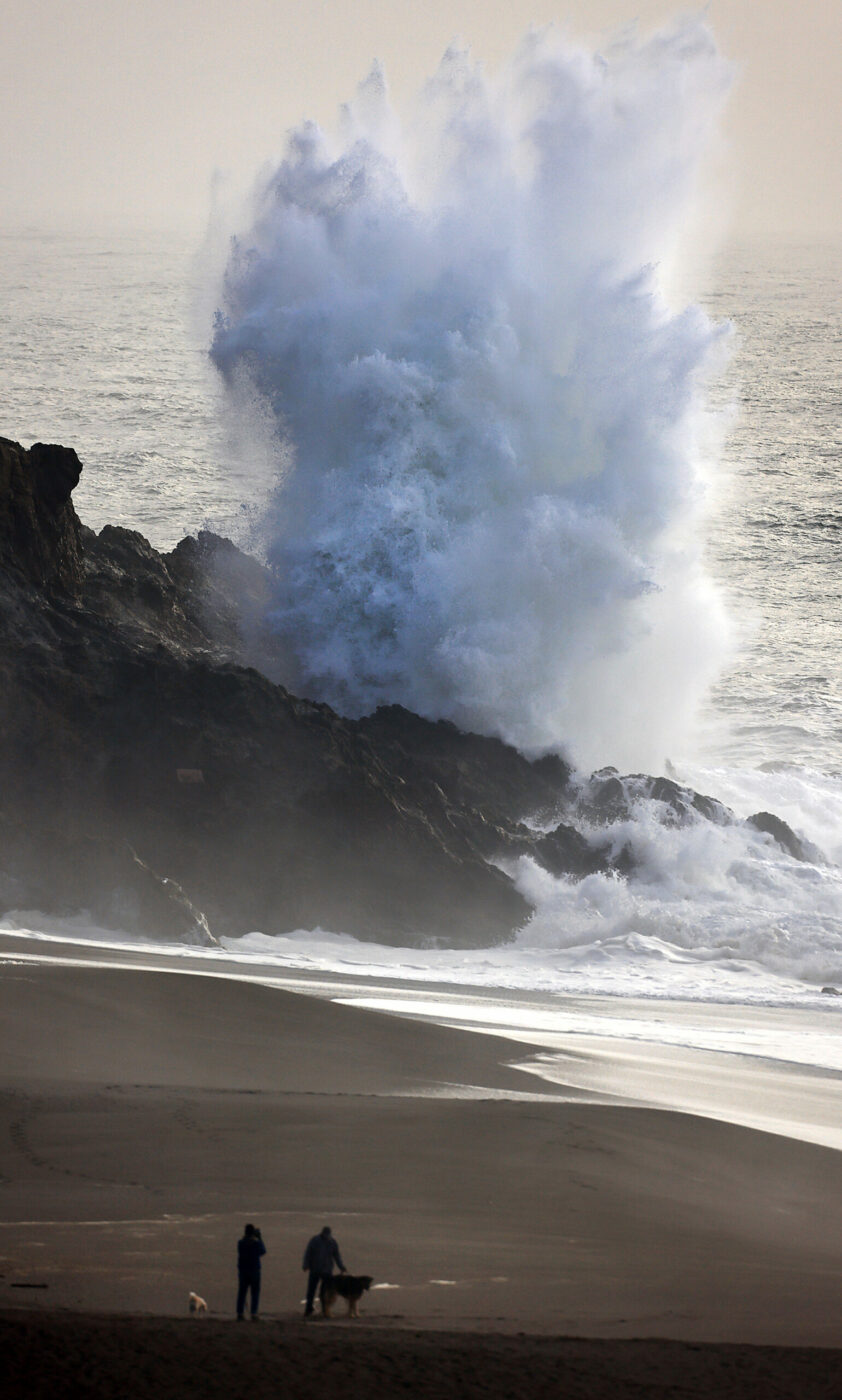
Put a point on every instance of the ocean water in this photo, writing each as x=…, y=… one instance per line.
x=728, y=503
x=102, y=347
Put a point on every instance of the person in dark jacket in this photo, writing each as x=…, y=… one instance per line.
x=250, y=1251
x=321, y=1254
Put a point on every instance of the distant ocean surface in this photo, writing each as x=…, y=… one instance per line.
x=104, y=347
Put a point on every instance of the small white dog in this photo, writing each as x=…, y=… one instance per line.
x=196, y=1304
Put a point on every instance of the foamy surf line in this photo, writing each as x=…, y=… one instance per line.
x=774, y=1070
x=771, y=1068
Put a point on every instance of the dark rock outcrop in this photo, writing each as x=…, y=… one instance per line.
x=784, y=836
x=39, y=529
x=608, y=797
x=132, y=723
x=152, y=774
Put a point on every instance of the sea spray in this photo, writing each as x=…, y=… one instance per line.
x=491, y=426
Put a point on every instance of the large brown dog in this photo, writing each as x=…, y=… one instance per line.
x=345, y=1286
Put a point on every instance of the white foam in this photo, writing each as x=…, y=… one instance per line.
x=712, y=912
x=817, y=1044
x=492, y=429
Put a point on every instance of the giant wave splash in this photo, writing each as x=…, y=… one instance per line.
x=490, y=424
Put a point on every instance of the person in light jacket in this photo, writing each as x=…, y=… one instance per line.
x=321, y=1254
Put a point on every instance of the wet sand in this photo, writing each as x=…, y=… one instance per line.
x=52, y=1355
x=146, y=1116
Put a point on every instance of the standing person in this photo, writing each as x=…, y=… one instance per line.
x=321, y=1254
x=250, y=1251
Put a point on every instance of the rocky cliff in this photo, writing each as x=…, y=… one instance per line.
x=153, y=775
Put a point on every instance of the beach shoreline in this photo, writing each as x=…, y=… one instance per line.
x=775, y=1067
x=145, y=1117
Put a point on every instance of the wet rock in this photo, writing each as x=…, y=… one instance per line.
x=61, y=874
x=122, y=670
x=607, y=798
x=564, y=851
x=783, y=834
x=154, y=774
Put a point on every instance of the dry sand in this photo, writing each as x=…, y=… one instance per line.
x=146, y=1116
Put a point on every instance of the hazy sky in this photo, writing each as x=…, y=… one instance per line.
x=117, y=112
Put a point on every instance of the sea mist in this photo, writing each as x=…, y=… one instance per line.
x=490, y=423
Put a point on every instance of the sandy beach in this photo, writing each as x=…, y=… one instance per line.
x=148, y=1115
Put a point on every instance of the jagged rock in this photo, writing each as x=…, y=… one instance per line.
x=116, y=688
x=607, y=798
x=784, y=835
x=565, y=851
x=226, y=593
x=473, y=772
x=206, y=595
x=39, y=529
x=154, y=774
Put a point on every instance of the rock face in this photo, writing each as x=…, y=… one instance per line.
x=152, y=775
x=39, y=531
